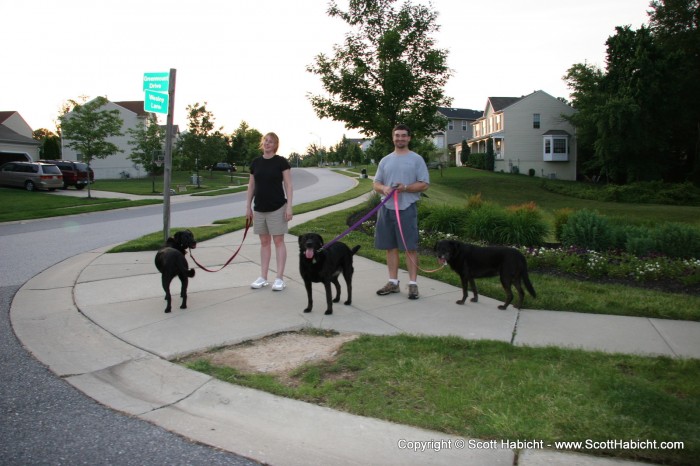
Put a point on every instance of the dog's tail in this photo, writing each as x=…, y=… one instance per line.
x=190, y=273
x=528, y=284
x=355, y=249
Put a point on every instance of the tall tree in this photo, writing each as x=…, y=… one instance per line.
x=676, y=25
x=50, y=144
x=86, y=130
x=388, y=71
x=640, y=118
x=201, y=145
x=246, y=144
x=148, y=139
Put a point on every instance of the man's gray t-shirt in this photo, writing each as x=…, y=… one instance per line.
x=405, y=169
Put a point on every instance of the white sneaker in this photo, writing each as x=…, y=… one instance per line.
x=259, y=283
x=279, y=285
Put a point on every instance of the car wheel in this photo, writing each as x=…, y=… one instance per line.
x=29, y=186
x=79, y=186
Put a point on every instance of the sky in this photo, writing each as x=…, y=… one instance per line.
x=247, y=59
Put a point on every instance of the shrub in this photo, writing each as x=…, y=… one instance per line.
x=477, y=160
x=486, y=224
x=677, y=240
x=586, y=229
x=524, y=226
x=445, y=219
x=531, y=172
x=475, y=201
x=561, y=216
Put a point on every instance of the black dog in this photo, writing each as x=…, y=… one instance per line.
x=472, y=262
x=171, y=263
x=324, y=265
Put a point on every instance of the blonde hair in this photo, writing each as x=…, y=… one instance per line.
x=274, y=138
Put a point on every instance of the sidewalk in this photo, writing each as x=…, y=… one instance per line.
x=97, y=321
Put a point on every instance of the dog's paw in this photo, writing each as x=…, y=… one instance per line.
x=474, y=300
x=502, y=307
x=348, y=302
x=460, y=301
x=167, y=311
x=337, y=300
x=308, y=309
x=184, y=306
x=328, y=312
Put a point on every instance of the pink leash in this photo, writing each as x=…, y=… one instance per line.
x=245, y=233
x=398, y=220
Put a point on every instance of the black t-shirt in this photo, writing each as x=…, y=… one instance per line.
x=269, y=187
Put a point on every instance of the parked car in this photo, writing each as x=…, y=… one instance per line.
x=74, y=173
x=31, y=175
x=224, y=167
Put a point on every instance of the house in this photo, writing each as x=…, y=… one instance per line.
x=458, y=129
x=528, y=133
x=118, y=165
x=16, y=142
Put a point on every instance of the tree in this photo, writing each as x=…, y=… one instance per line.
x=388, y=71
x=148, y=139
x=87, y=128
x=50, y=144
x=464, y=154
x=490, y=158
x=640, y=118
x=245, y=144
x=201, y=145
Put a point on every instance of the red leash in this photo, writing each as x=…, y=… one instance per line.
x=245, y=233
x=398, y=220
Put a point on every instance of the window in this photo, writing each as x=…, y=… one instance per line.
x=560, y=146
x=535, y=120
x=556, y=148
x=450, y=125
x=464, y=125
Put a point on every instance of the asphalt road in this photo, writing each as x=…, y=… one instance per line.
x=43, y=419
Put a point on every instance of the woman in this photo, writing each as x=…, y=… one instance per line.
x=269, y=206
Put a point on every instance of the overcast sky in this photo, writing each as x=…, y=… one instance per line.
x=247, y=59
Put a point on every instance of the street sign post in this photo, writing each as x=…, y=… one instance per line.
x=159, y=89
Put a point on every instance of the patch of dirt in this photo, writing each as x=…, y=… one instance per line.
x=279, y=354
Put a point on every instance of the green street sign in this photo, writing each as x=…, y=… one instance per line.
x=156, y=102
x=156, y=82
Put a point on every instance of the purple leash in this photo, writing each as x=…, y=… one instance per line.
x=360, y=221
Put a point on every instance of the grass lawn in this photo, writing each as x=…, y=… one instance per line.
x=19, y=205
x=215, y=182
x=492, y=390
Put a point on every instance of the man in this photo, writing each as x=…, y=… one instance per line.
x=405, y=171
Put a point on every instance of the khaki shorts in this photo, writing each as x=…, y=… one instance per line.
x=270, y=223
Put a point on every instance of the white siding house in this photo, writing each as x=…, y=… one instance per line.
x=458, y=129
x=118, y=165
x=528, y=132
x=16, y=142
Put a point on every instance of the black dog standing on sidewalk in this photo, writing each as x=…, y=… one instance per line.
x=171, y=262
x=472, y=262
x=324, y=265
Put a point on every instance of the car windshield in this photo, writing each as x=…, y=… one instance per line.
x=81, y=167
x=52, y=170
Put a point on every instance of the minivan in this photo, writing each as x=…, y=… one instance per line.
x=31, y=175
